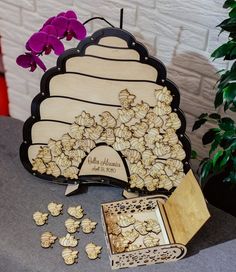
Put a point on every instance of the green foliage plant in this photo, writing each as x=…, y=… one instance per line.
x=221, y=139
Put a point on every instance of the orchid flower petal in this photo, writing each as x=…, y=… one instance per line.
x=38, y=41
x=48, y=22
x=49, y=29
x=61, y=14
x=56, y=45
x=70, y=14
x=39, y=62
x=24, y=61
x=60, y=23
x=78, y=29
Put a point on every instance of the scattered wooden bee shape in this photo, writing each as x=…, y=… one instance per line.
x=132, y=247
x=141, y=227
x=130, y=235
x=39, y=165
x=53, y=169
x=125, y=220
x=152, y=225
x=136, y=181
x=151, y=240
x=119, y=243
x=55, y=147
x=113, y=228
x=77, y=212
x=72, y=225
x=45, y=154
x=55, y=209
x=107, y=120
x=47, y=239
x=126, y=99
x=70, y=256
x=71, y=172
x=68, y=241
x=40, y=218
x=93, y=251
x=85, y=119
x=88, y=225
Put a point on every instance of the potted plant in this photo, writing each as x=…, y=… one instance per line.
x=217, y=172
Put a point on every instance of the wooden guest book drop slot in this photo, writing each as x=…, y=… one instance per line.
x=107, y=113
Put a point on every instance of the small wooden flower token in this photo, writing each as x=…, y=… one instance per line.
x=47, y=239
x=77, y=212
x=70, y=256
x=68, y=241
x=40, y=218
x=55, y=209
x=72, y=225
x=88, y=225
x=93, y=251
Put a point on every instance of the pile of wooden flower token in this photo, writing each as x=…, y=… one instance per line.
x=72, y=225
x=126, y=233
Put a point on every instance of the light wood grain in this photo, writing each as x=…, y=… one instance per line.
x=112, y=53
x=101, y=90
x=113, y=41
x=117, y=69
x=186, y=209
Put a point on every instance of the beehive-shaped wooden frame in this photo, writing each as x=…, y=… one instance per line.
x=99, y=88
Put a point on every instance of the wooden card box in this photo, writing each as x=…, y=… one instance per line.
x=180, y=217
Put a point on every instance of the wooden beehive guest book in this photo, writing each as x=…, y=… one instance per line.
x=154, y=229
x=107, y=114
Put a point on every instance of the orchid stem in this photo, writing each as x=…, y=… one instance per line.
x=98, y=18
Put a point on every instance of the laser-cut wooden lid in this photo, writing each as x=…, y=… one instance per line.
x=186, y=209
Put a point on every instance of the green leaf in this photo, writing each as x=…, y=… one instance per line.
x=229, y=4
x=232, y=13
x=193, y=154
x=226, y=124
x=227, y=139
x=203, y=115
x=233, y=67
x=228, y=25
x=205, y=169
x=218, y=98
x=209, y=136
x=229, y=92
x=232, y=54
x=226, y=78
x=213, y=147
x=198, y=124
x=215, y=116
x=222, y=50
x=226, y=156
x=216, y=157
x=226, y=106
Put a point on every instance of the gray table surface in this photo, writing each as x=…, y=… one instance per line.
x=211, y=250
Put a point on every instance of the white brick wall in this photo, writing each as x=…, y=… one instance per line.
x=180, y=33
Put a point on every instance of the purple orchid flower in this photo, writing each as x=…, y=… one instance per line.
x=45, y=41
x=67, y=25
x=30, y=60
